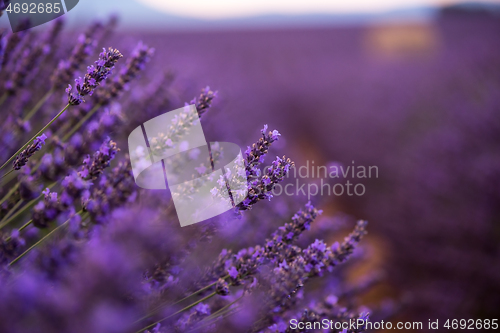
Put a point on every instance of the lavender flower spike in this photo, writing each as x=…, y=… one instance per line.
x=204, y=101
x=30, y=150
x=255, y=154
x=93, y=167
x=136, y=63
x=95, y=75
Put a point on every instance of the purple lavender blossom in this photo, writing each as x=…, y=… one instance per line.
x=28, y=187
x=245, y=264
x=135, y=63
x=261, y=189
x=204, y=101
x=286, y=235
x=95, y=75
x=95, y=165
x=282, y=284
x=255, y=154
x=116, y=248
x=23, y=157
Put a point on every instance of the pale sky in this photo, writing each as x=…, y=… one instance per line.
x=214, y=9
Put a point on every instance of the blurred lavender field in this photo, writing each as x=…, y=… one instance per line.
x=421, y=101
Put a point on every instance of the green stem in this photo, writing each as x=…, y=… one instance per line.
x=22, y=210
x=9, y=194
x=176, y=313
x=213, y=320
x=27, y=224
x=80, y=123
x=216, y=314
x=37, y=243
x=8, y=177
x=19, y=212
x=42, y=240
x=199, y=291
x=38, y=105
x=8, y=173
x=179, y=301
x=34, y=137
x=12, y=210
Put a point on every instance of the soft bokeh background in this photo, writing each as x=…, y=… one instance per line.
x=412, y=89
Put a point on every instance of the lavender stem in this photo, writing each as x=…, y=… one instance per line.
x=180, y=311
x=24, y=226
x=34, y=137
x=9, y=194
x=42, y=240
x=181, y=300
x=8, y=173
x=22, y=210
x=12, y=210
x=38, y=105
x=221, y=310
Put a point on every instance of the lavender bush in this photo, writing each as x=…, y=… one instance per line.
x=83, y=249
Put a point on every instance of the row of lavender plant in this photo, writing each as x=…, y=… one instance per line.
x=83, y=249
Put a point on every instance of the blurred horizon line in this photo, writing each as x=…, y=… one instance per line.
x=136, y=16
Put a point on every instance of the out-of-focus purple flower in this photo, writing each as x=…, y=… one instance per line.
x=23, y=156
x=340, y=253
x=53, y=165
x=47, y=210
x=10, y=247
x=93, y=166
x=13, y=41
x=26, y=67
x=67, y=68
x=111, y=191
x=186, y=321
x=73, y=188
x=28, y=187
